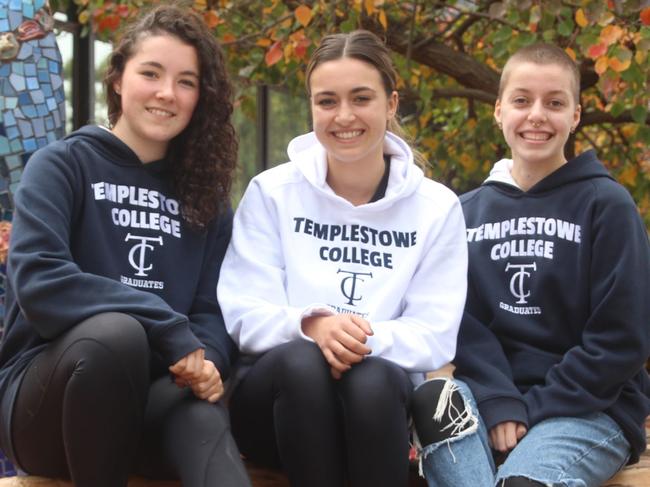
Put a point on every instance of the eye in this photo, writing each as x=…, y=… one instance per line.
x=362, y=99
x=556, y=103
x=326, y=102
x=520, y=101
x=188, y=82
x=149, y=74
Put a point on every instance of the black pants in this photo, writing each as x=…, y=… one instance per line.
x=87, y=410
x=289, y=411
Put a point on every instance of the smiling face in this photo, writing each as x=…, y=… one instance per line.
x=350, y=110
x=159, y=90
x=537, y=111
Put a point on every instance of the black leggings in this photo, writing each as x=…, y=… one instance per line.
x=289, y=411
x=86, y=410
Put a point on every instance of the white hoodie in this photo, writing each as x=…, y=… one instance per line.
x=299, y=250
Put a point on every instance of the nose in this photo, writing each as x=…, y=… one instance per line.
x=537, y=112
x=345, y=114
x=165, y=90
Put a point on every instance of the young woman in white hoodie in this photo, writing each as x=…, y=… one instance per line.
x=344, y=281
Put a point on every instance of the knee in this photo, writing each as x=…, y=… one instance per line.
x=440, y=412
x=112, y=342
x=300, y=366
x=376, y=381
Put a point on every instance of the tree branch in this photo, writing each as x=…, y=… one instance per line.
x=598, y=118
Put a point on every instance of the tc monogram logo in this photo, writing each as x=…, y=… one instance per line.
x=517, y=280
x=139, y=250
x=349, y=285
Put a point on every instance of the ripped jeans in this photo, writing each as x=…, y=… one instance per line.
x=558, y=452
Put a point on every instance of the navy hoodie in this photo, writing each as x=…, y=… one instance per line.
x=558, y=310
x=94, y=231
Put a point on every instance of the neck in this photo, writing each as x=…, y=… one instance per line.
x=355, y=182
x=145, y=152
x=527, y=175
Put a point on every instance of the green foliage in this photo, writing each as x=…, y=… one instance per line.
x=448, y=54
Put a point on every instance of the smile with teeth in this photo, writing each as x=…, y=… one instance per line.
x=536, y=136
x=348, y=134
x=160, y=112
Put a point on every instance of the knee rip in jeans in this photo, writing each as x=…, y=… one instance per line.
x=452, y=418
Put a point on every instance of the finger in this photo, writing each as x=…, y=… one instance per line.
x=351, y=343
x=363, y=324
x=521, y=431
x=510, y=435
x=334, y=361
x=499, y=438
x=344, y=355
x=335, y=373
x=179, y=366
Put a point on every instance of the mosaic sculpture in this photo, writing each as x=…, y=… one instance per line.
x=32, y=106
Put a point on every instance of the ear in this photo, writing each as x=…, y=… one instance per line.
x=497, y=112
x=117, y=87
x=393, y=103
x=576, y=117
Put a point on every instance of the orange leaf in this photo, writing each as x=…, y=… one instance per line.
x=264, y=42
x=532, y=27
x=303, y=15
x=596, y=50
x=611, y=34
x=581, y=18
x=274, y=54
x=617, y=65
x=370, y=6
x=227, y=38
x=645, y=16
x=601, y=65
x=383, y=20
x=211, y=19
x=571, y=53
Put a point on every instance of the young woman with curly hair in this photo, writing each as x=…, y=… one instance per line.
x=115, y=350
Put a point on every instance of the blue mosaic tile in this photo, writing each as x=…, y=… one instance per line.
x=24, y=98
x=5, y=69
x=15, y=19
x=37, y=96
x=29, y=111
x=26, y=129
x=29, y=70
x=28, y=10
x=51, y=53
x=9, y=119
x=41, y=142
x=53, y=67
x=11, y=102
x=15, y=146
x=43, y=76
x=13, y=162
x=51, y=103
x=39, y=127
x=47, y=90
x=38, y=4
x=3, y=14
x=4, y=146
x=30, y=145
x=15, y=4
x=13, y=132
x=41, y=110
x=26, y=51
x=18, y=67
x=49, y=121
x=4, y=25
x=32, y=83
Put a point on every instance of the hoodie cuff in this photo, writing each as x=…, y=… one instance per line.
x=313, y=310
x=502, y=409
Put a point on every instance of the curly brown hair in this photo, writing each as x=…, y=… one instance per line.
x=205, y=152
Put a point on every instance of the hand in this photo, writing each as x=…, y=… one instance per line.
x=209, y=385
x=189, y=368
x=341, y=338
x=505, y=436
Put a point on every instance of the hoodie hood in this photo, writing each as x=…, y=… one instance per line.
x=112, y=148
x=585, y=166
x=310, y=158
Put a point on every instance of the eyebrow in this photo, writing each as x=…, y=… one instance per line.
x=553, y=92
x=155, y=64
x=354, y=90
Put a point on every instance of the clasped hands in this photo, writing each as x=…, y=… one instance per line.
x=199, y=374
x=341, y=338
